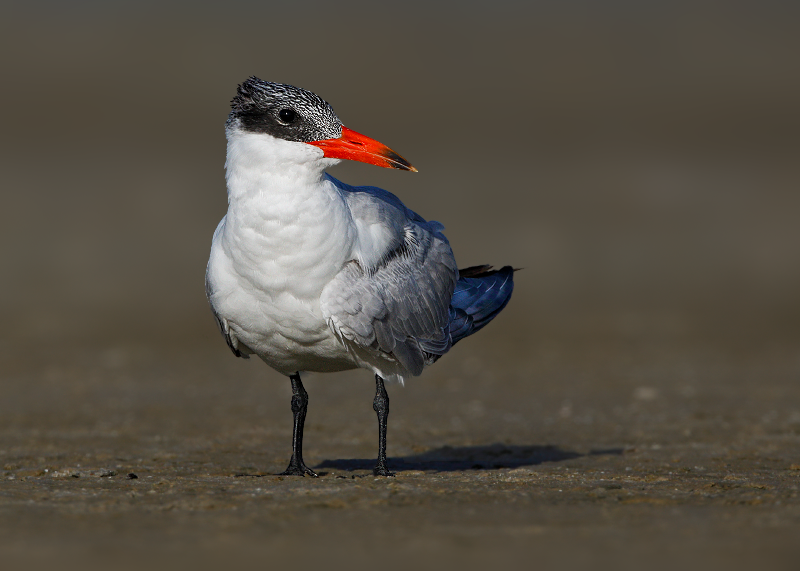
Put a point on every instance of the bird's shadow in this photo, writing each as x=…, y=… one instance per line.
x=451, y=459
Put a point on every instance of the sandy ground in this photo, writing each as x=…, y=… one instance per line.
x=636, y=405
x=574, y=455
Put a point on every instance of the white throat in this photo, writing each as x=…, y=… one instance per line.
x=256, y=163
x=286, y=223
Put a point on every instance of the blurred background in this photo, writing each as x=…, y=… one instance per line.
x=638, y=160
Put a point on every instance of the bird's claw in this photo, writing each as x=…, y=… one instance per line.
x=298, y=469
x=382, y=470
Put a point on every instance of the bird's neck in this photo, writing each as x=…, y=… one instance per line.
x=281, y=204
x=258, y=165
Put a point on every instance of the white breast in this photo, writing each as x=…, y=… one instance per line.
x=286, y=235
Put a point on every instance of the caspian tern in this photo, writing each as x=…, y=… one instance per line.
x=311, y=274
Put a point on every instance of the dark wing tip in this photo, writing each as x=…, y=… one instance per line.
x=476, y=271
x=484, y=270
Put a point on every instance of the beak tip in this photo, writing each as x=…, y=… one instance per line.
x=395, y=161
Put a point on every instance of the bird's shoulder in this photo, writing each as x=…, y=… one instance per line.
x=396, y=303
x=371, y=205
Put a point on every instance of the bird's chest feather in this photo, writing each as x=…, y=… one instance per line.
x=271, y=259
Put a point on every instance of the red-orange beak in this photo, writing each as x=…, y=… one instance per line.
x=357, y=147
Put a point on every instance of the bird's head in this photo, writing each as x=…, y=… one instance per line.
x=299, y=116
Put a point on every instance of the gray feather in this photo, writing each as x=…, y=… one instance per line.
x=399, y=305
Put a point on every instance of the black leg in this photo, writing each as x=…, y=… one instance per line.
x=299, y=406
x=381, y=406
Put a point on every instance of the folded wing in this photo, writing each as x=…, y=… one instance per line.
x=394, y=297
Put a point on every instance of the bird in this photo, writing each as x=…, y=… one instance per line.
x=313, y=275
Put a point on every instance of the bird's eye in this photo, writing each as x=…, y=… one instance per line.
x=287, y=115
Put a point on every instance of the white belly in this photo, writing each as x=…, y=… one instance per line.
x=288, y=333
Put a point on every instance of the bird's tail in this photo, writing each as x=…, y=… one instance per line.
x=481, y=293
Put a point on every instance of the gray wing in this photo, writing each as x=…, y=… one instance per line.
x=395, y=299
